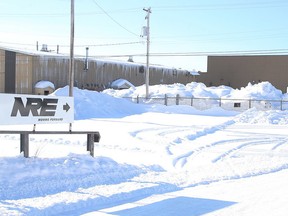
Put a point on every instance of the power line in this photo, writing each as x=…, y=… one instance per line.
x=114, y=19
x=262, y=4
x=83, y=45
x=219, y=53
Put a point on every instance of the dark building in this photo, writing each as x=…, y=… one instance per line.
x=238, y=71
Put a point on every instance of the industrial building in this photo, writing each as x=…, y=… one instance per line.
x=20, y=71
x=238, y=71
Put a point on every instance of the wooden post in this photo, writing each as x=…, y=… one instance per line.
x=90, y=144
x=24, y=144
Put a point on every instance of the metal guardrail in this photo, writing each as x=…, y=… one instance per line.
x=92, y=136
x=207, y=103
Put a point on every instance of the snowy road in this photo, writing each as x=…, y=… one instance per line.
x=149, y=164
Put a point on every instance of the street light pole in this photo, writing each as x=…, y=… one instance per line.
x=148, y=50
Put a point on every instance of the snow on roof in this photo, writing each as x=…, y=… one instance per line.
x=121, y=83
x=194, y=73
x=63, y=55
x=32, y=52
x=44, y=84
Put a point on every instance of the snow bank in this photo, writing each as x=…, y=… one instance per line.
x=263, y=90
x=92, y=104
x=190, y=90
x=254, y=116
x=19, y=171
x=107, y=104
x=260, y=91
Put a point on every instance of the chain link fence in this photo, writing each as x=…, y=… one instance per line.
x=207, y=103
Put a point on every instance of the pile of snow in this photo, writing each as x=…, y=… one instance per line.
x=190, y=90
x=108, y=104
x=254, y=116
x=263, y=90
x=92, y=104
x=260, y=91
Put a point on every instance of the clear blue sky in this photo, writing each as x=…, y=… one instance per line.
x=190, y=28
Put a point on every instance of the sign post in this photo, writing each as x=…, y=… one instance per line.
x=35, y=109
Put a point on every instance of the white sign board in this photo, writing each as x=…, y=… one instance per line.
x=35, y=109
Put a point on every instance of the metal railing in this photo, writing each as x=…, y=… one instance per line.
x=207, y=103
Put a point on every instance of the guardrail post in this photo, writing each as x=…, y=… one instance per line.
x=90, y=144
x=281, y=104
x=24, y=144
x=192, y=101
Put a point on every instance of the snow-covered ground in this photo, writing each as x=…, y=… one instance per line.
x=152, y=159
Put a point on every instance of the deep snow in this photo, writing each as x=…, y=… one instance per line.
x=152, y=159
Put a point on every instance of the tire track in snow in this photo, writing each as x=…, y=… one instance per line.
x=165, y=135
x=283, y=142
x=210, y=130
x=276, y=143
x=245, y=143
x=233, y=150
x=182, y=159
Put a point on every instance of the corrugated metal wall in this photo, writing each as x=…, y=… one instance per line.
x=2, y=71
x=19, y=72
x=24, y=75
x=101, y=73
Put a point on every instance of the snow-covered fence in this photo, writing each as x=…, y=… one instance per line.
x=207, y=103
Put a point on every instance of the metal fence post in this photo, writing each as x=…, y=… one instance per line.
x=177, y=99
x=165, y=100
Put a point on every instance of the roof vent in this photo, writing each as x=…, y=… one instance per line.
x=44, y=48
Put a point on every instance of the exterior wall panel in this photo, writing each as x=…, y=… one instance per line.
x=23, y=78
x=10, y=71
x=2, y=71
x=21, y=71
x=238, y=71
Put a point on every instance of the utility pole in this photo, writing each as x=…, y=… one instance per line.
x=147, y=32
x=71, y=63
